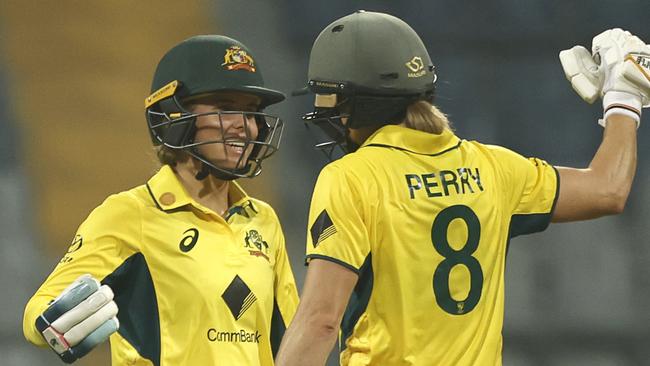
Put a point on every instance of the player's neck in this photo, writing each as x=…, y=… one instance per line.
x=209, y=192
x=360, y=135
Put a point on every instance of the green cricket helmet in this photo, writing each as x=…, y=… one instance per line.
x=368, y=67
x=203, y=65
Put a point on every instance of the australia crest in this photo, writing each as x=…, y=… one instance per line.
x=236, y=58
x=256, y=245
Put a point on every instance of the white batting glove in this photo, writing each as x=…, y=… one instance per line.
x=80, y=318
x=625, y=61
x=583, y=73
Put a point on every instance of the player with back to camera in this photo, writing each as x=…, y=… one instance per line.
x=186, y=269
x=408, y=233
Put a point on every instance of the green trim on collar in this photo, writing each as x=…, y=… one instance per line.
x=165, y=184
x=418, y=142
x=168, y=193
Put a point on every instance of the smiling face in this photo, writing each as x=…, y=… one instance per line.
x=225, y=136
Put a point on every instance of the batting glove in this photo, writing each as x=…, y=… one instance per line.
x=583, y=73
x=80, y=318
x=625, y=61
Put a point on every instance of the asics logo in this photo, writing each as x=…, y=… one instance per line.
x=189, y=240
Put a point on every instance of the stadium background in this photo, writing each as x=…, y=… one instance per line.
x=73, y=76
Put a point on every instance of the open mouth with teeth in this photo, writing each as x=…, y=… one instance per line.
x=237, y=152
x=235, y=146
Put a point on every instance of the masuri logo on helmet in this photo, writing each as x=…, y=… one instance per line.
x=416, y=66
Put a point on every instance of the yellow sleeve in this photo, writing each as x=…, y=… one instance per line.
x=102, y=242
x=531, y=189
x=338, y=215
x=285, y=294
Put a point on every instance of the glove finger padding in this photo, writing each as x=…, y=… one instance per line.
x=582, y=71
x=80, y=331
x=609, y=45
x=83, y=315
x=636, y=70
x=75, y=293
x=83, y=310
x=91, y=341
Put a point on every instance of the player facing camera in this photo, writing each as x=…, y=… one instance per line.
x=207, y=102
x=189, y=238
x=371, y=82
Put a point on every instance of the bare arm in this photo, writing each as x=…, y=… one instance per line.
x=314, y=329
x=603, y=187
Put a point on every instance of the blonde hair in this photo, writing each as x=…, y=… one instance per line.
x=424, y=116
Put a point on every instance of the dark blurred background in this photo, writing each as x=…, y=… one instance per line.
x=74, y=74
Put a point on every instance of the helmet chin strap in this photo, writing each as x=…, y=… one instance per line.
x=221, y=175
x=203, y=173
x=350, y=146
x=206, y=169
x=210, y=168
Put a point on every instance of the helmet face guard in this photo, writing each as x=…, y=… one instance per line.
x=173, y=126
x=360, y=111
x=329, y=121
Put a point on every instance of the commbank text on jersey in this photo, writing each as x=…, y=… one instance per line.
x=444, y=182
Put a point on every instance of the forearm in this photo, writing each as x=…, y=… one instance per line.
x=314, y=329
x=603, y=187
x=615, y=160
x=307, y=342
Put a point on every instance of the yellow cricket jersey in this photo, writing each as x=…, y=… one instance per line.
x=425, y=221
x=192, y=287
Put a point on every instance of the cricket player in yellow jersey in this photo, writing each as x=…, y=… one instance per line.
x=186, y=269
x=408, y=233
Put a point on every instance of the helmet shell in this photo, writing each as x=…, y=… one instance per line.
x=370, y=53
x=213, y=63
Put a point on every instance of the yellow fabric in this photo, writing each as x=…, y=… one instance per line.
x=408, y=209
x=159, y=221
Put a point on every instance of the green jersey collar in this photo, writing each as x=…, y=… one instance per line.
x=408, y=139
x=168, y=193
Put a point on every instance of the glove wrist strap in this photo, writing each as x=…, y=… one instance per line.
x=621, y=103
x=619, y=99
x=619, y=111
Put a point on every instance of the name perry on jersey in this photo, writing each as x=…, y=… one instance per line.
x=444, y=182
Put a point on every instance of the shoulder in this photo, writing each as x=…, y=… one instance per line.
x=343, y=178
x=123, y=207
x=498, y=156
x=350, y=168
x=342, y=187
x=512, y=160
x=127, y=200
x=495, y=150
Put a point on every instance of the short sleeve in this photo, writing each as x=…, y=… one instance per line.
x=102, y=242
x=337, y=228
x=531, y=188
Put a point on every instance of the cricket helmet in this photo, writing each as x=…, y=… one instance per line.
x=203, y=65
x=368, y=67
